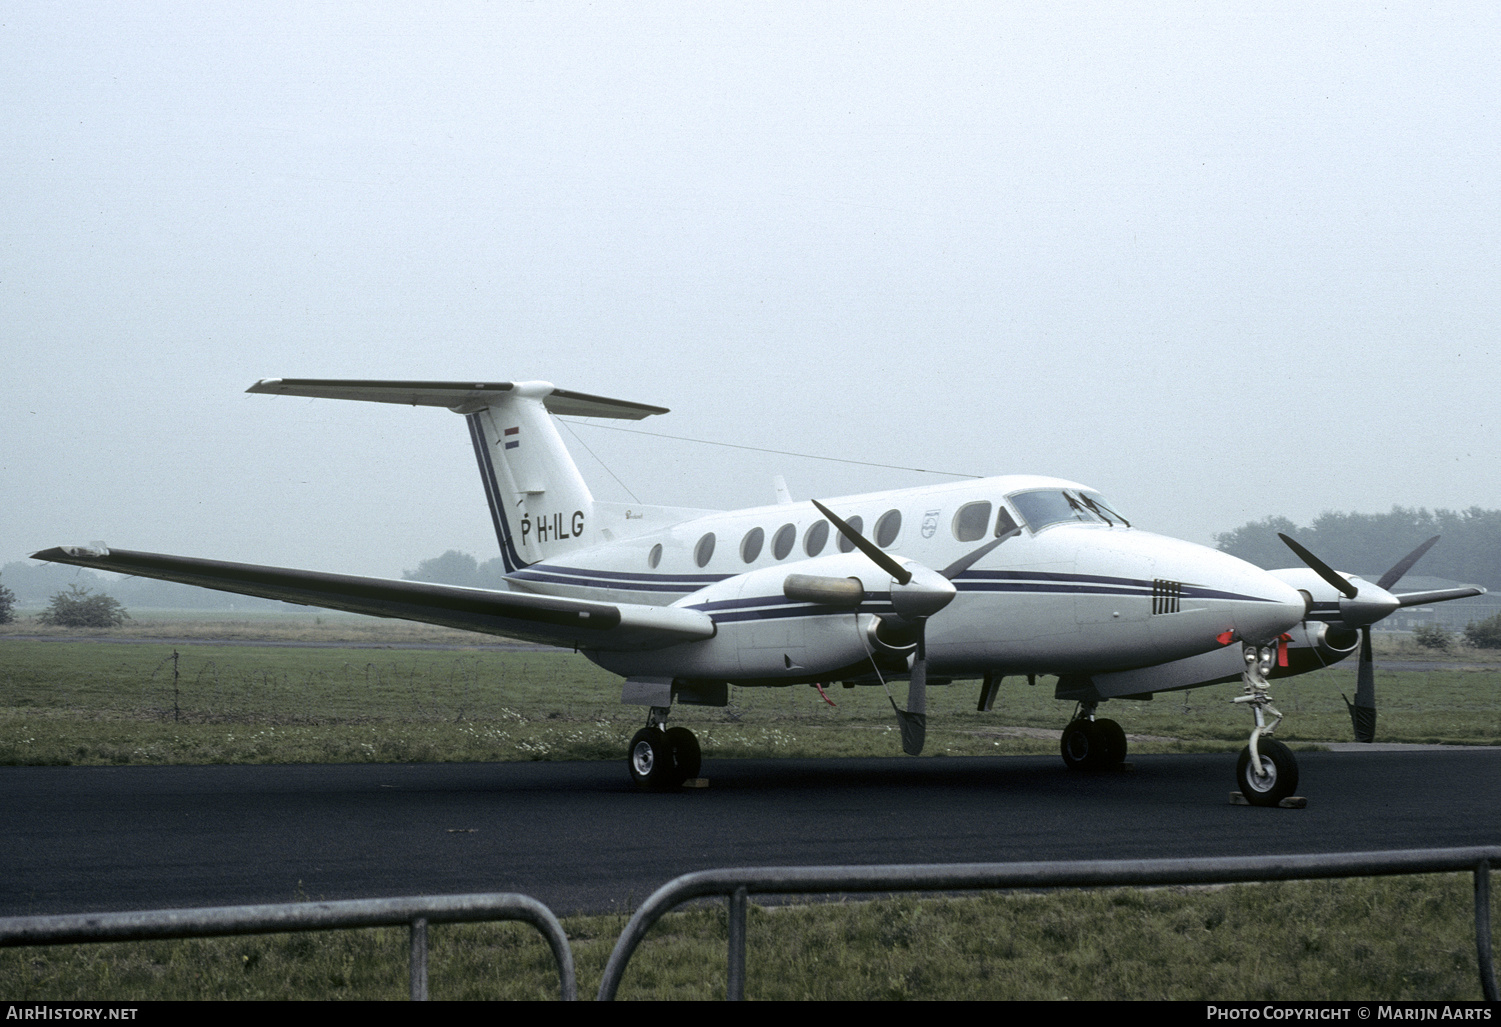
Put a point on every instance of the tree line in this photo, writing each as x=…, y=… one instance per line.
x=1368, y=544
x=456, y=568
x=32, y=583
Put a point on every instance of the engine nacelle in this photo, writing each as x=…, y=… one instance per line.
x=1317, y=645
x=890, y=635
x=1333, y=642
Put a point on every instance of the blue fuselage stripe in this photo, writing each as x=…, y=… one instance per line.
x=774, y=606
x=615, y=586
x=695, y=581
x=508, y=555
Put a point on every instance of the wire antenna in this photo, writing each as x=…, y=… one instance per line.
x=776, y=452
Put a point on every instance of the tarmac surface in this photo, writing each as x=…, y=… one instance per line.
x=579, y=837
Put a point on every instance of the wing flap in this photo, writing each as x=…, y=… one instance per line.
x=549, y=619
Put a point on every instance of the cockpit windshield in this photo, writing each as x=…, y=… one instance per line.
x=1052, y=506
x=1096, y=502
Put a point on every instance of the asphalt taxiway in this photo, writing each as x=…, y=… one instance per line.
x=578, y=836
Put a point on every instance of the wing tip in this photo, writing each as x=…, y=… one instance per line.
x=64, y=554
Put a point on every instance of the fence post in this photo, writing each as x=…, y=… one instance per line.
x=1483, y=931
x=735, y=986
x=419, y=959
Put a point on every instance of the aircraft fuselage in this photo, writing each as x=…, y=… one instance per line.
x=1085, y=593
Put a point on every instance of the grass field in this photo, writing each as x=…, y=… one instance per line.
x=120, y=698
x=1394, y=939
x=114, y=700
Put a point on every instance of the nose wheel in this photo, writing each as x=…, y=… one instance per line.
x=659, y=760
x=1274, y=780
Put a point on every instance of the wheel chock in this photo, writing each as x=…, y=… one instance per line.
x=1291, y=802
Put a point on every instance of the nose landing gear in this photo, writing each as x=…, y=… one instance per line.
x=1267, y=771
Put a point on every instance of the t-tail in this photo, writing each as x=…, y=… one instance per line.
x=539, y=503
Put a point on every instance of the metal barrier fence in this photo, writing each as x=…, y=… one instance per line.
x=413, y=913
x=737, y=885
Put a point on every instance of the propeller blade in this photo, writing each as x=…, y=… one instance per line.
x=914, y=720
x=1404, y=565
x=1363, y=710
x=914, y=731
x=1321, y=568
x=866, y=546
x=964, y=563
x=930, y=593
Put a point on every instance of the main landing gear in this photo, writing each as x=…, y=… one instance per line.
x=1266, y=771
x=1091, y=744
x=661, y=759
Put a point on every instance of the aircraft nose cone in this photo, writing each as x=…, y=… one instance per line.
x=1276, y=607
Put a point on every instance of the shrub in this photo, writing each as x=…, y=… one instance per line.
x=1433, y=636
x=1484, y=634
x=7, y=605
x=78, y=608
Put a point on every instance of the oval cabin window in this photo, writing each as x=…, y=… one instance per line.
x=782, y=543
x=856, y=522
x=888, y=528
x=817, y=536
x=750, y=546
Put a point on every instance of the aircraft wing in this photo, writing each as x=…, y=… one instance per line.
x=1438, y=595
x=611, y=627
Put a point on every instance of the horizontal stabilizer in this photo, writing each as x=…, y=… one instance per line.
x=464, y=397
x=606, y=627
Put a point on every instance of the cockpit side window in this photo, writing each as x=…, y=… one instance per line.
x=1004, y=523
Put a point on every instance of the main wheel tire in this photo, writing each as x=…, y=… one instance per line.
x=1083, y=745
x=1280, y=777
x=1115, y=742
x=687, y=757
x=649, y=758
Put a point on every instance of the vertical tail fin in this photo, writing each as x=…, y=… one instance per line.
x=539, y=503
x=538, y=500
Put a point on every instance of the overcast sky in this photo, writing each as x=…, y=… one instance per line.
x=1218, y=260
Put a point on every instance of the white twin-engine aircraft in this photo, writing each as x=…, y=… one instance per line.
x=1018, y=575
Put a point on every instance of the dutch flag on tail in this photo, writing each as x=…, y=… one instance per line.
x=512, y=439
